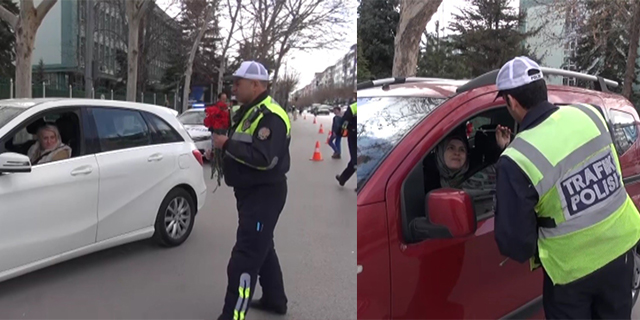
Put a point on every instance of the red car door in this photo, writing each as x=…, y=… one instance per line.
x=457, y=277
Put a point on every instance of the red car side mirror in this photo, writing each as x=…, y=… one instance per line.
x=453, y=209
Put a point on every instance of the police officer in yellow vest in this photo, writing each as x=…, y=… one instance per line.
x=349, y=124
x=256, y=159
x=561, y=203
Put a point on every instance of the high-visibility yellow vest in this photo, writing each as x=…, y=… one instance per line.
x=579, y=183
x=245, y=129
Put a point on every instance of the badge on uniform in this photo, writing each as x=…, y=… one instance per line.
x=246, y=125
x=264, y=133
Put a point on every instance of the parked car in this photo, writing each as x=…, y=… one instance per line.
x=326, y=110
x=193, y=121
x=134, y=173
x=450, y=266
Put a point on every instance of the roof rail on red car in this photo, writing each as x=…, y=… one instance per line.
x=489, y=78
x=397, y=80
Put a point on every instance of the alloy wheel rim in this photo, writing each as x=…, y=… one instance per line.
x=177, y=217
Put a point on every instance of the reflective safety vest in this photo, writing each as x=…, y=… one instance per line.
x=234, y=110
x=245, y=129
x=591, y=220
x=354, y=108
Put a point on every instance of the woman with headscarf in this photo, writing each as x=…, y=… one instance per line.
x=448, y=166
x=49, y=146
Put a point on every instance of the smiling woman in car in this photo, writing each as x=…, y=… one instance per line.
x=49, y=146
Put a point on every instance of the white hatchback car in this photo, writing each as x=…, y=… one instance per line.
x=134, y=173
x=193, y=121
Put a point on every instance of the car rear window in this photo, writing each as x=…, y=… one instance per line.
x=8, y=113
x=382, y=123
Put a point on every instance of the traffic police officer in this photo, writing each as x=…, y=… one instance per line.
x=349, y=124
x=255, y=163
x=561, y=203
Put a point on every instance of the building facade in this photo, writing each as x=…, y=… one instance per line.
x=557, y=42
x=61, y=39
x=342, y=74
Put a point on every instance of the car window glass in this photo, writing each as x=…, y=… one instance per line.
x=382, y=123
x=120, y=129
x=8, y=113
x=625, y=130
x=192, y=118
x=164, y=133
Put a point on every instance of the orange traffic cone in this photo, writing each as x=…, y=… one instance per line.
x=317, y=156
x=328, y=137
x=314, y=120
x=321, y=131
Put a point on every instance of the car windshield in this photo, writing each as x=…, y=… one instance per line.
x=382, y=123
x=192, y=118
x=8, y=113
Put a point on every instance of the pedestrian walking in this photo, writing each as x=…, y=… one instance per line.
x=349, y=126
x=336, y=133
x=255, y=165
x=561, y=202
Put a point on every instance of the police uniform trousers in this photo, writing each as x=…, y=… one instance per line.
x=254, y=253
x=603, y=294
x=352, y=140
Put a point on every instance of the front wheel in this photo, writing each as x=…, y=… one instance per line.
x=175, y=218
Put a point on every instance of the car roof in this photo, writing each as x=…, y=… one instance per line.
x=434, y=89
x=28, y=103
x=426, y=89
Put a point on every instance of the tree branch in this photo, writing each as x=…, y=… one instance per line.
x=43, y=9
x=8, y=17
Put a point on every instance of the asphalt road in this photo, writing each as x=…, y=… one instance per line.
x=315, y=240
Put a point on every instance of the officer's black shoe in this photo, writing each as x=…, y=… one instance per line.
x=339, y=182
x=259, y=305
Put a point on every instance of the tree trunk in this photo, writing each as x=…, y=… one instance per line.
x=25, y=37
x=414, y=16
x=132, y=59
x=192, y=55
x=633, y=51
x=221, y=71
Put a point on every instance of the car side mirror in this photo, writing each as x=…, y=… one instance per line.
x=453, y=209
x=11, y=162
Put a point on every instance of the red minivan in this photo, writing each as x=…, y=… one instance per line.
x=448, y=266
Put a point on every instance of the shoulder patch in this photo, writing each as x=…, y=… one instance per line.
x=264, y=133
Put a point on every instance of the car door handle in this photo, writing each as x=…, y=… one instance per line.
x=82, y=171
x=155, y=157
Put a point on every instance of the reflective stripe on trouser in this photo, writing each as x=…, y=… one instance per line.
x=244, y=295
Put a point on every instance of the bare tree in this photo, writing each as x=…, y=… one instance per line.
x=25, y=25
x=285, y=25
x=286, y=85
x=135, y=11
x=233, y=15
x=192, y=54
x=414, y=16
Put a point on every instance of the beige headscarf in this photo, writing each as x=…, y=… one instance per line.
x=38, y=155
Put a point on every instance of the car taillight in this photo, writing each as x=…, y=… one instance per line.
x=198, y=155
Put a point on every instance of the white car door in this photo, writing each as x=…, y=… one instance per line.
x=135, y=173
x=48, y=211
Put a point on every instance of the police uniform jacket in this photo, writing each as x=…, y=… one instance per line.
x=260, y=153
